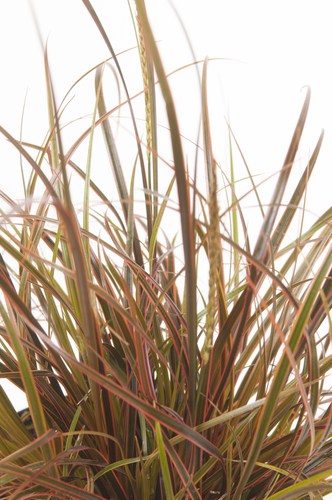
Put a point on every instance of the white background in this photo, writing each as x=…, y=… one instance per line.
x=273, y=50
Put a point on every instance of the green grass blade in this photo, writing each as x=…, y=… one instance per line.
x=29, y=384
x=163, y=463
x=282, y=373
x=310, y=485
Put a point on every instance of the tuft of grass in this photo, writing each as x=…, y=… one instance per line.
x=145, y=379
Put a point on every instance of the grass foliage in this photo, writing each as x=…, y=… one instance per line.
x=141, y=383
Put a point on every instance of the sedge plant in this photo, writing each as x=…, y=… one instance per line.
x=141, y=382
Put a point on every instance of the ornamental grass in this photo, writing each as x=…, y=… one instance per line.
x=166, y=351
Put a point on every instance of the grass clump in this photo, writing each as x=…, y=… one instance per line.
x=140, y=383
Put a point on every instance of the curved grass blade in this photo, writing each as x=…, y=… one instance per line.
x=31, y=391
x=50, y=484
x=313, y=484
x=103, y=33
x=282, y=372
x=116, y=166
x=184, y=202
x=262, y=246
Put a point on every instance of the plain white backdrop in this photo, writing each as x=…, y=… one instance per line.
x=269, y=51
